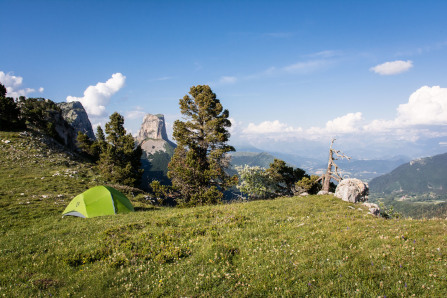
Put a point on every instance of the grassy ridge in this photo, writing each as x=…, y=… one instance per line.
x=315, y=245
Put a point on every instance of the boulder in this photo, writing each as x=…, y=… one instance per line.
x=352, y=190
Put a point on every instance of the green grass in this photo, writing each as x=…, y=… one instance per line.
x=299, y=246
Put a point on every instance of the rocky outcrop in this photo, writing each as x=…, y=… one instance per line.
x=153, y=127
x=352, y=190
x=157, y=149
x=66, y=134
x=75, y=114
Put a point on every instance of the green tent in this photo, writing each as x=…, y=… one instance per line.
x=98, y=201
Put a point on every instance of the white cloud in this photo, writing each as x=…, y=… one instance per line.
x=426, y=106
x=162, y=79
x=235, y=126
x=136, y=114
x=348, y=123
x=324, y=54
x=227, y=80
x=270, y=127
x=423, y=116
x=307, y=66
x=97, y=97
x=13, y=84
x=392, y=67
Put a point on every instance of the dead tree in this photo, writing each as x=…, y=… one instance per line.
x=332, y=174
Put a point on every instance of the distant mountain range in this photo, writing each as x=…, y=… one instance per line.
x=361, y=169
x=417, y=188
x=424, y=175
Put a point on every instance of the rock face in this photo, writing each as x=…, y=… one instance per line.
x=66, y=134
x=352, y=190
x=157, y=149
x=153, y=127
x=75, y=114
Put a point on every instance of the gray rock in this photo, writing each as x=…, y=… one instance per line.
x=352, y=190
x=75, y=114
x=322, y=192
x=373, y=208
x=153, y=127
x=157, y=149
x=67, y=134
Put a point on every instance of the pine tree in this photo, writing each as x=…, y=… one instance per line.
x=197, y=169
x=119, y=158
x=9, y=112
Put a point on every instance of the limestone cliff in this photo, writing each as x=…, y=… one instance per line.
x=153, y=127
x=75, y=114
x=157, y=149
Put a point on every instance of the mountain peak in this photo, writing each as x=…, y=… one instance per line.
x=153, y=127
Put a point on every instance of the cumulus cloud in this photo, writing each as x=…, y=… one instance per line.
x=426, y=106
x=392, y=67
x=97, y=97
x=270, y=127
x=345, y=124
x=423, y=116
x=13, y=85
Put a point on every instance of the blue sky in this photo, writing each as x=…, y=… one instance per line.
x=293, y=74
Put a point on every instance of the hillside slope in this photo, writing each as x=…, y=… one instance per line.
x=298, y=246
x=418, y=176
x=252, y=159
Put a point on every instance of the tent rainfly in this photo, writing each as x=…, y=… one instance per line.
x=98, y=201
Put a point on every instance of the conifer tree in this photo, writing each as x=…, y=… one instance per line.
x=9, y=112
x=119, y=158
x=197, y=169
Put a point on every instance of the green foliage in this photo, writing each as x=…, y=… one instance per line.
x=417, y=177
x=197, y=168
x=308, y=184
x=278, y=180
x=9, y=112
x=161, y=192
x=256, y=182
x=119, y=158
x=88, y=146
x=284, y=176
x=42, y=114
x=388, y=212
x=2, y=91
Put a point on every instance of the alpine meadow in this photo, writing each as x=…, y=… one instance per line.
x=223, y=149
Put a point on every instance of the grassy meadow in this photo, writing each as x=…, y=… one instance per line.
x=294, y=246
